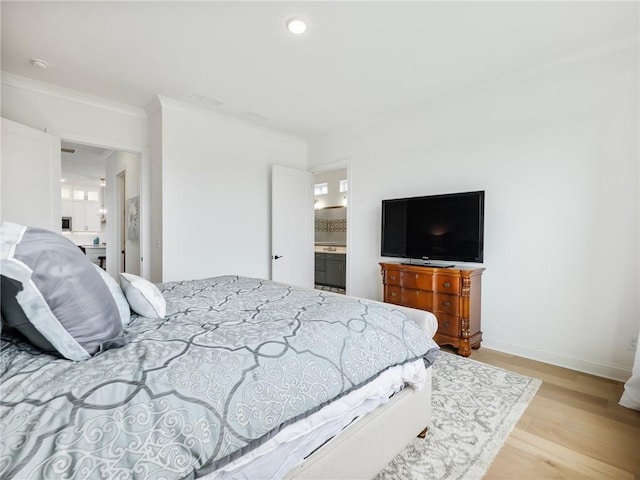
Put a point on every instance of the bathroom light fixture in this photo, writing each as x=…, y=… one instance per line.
x=296, y=25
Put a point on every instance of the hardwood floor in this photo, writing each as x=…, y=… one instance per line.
x=573, y=428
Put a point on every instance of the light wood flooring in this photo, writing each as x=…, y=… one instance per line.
x=572, y=429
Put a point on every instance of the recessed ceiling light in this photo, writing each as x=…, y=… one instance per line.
x=36, y=62
x=296, y=25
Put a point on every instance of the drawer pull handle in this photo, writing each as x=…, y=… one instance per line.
x=416, y=276
x=393, y=294
x=446, y=303
x=393, y=277
x=417, y=292
x=446, y=284
x=447, y=324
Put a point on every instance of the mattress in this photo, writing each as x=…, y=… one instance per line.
x=234, y=363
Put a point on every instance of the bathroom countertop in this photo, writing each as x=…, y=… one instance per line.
x=330, y=249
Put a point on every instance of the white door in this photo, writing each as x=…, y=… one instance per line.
x=30, y=177
x=292, y=226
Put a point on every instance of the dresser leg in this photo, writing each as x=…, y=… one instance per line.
x=423, y=433
x=464, y=349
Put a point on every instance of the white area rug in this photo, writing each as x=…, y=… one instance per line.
x=475, y=407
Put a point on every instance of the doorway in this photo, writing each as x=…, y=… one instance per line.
x=105, y=222
x=83, y=171
x=330, y=229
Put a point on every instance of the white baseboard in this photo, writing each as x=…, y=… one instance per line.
x=606, y=370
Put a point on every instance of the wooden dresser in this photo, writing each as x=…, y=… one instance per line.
x=452, y=294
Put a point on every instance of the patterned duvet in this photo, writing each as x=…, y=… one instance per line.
x=234, y=360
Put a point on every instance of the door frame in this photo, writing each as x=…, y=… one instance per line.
x=339, y=165
x=120, y=191
x=145, y=189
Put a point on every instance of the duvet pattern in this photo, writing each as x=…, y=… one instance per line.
x=234, y=360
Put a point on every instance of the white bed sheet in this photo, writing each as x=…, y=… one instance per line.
x=287, y=449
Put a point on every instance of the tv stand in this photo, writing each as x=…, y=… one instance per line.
x=452, y=294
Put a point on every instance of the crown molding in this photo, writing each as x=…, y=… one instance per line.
x=24, y=83
x=220, y=118
x=154, y=106
x=592, y=53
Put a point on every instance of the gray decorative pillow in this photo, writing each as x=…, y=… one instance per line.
x=53, y=294
x=118, y=296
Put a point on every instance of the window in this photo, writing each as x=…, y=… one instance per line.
x=93, y=196
x=320, y=189
x=78, y=194
x=343, y=185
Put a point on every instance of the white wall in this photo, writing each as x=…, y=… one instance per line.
x=154, y=110
x=79, y=118
x=557, y=153
x=215, y=184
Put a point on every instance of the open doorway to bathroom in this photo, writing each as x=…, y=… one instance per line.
x=330, y=209
x=100, y=189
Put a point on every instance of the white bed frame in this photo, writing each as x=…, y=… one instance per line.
x=367, y=445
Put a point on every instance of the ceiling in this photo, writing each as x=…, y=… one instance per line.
x=358, y=61
x=87, y=164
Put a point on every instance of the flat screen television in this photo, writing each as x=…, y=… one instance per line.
x=438, y=227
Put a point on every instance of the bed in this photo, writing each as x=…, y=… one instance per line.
x=240, y=378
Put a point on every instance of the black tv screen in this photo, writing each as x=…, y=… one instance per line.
x=437, y=227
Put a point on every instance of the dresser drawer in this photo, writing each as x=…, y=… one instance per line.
x=416, y=298
x=448, y=324
x=392, y=277
x=392, y=294
x=444, y=303
x=419, y=281
x=446, y=284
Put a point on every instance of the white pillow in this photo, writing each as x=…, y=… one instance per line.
x=118, y=296
x=143, y=296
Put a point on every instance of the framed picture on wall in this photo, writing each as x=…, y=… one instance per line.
x=133, y=219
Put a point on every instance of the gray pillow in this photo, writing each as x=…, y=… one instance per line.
x=53, y=294
x=118, y=296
